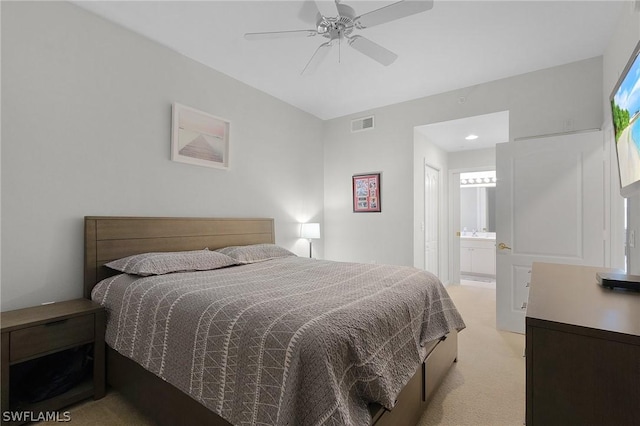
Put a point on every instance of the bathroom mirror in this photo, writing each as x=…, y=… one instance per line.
x=477, y=209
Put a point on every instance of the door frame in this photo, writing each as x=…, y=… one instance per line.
x=454, y=214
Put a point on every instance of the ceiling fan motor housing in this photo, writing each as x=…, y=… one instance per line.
x=335, y=28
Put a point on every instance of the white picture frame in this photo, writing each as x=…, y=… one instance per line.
x=199, y=138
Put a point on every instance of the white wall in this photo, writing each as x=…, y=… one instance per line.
x=615, y=58
x=86, y=131
x=538, y=103
x=477, y=159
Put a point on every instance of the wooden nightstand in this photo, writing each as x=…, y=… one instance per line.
x=34, y=333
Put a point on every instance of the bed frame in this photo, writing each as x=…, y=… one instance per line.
x=108, y=238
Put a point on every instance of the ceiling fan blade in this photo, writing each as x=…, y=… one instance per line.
x=392, y=12
x=309, y=12
x=280, y=34
x=328, y=8
x=372, y=50
x=318, y=56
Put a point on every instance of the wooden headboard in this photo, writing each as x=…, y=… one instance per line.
x=107, y=238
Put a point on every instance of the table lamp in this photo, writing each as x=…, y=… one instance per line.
x=310, y=231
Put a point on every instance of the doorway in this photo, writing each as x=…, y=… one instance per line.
x=459, y=264
x=477, y=228
x=448, y=146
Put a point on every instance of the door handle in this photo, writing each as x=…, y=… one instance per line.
x=503, y=246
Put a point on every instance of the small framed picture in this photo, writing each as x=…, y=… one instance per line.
x=199, y=138
x=366, y=193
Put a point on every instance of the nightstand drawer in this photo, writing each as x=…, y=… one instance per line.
x=48, y=337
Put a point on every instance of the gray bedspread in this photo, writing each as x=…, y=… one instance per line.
x=290, y=341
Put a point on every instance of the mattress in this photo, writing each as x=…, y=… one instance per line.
x=292, y=340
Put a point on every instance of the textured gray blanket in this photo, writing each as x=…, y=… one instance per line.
x=290, y=341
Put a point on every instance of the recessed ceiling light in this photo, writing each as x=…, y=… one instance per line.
x=471, y=137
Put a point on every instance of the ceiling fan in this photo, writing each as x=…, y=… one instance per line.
x=337, y=21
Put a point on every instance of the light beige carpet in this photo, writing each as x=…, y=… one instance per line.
x=484, y=388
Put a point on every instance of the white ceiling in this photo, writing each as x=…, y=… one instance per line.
x=454, y=45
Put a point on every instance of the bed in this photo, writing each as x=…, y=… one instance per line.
x=338, y=360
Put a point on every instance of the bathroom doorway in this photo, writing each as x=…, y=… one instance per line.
x=455, y=146
x=477, y=228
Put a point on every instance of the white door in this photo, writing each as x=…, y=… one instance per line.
x=549, y=208
x=431, y=212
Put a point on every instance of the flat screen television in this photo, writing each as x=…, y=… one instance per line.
x=625, y=112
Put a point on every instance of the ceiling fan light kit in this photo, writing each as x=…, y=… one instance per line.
x=337, y=21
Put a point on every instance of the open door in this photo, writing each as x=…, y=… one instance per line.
x=549, y=208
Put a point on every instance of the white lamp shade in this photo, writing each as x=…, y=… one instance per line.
x=310, y=230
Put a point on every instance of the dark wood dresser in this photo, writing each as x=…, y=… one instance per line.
x=582, y=349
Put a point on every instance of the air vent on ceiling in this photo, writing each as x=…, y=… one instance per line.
x=360, y=124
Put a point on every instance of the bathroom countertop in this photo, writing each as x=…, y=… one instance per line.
x=479, y=237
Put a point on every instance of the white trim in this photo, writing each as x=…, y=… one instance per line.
x=546, y=135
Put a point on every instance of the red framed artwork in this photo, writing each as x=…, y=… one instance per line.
x=366, y=193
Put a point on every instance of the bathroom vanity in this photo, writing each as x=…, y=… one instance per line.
x=478, y=255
